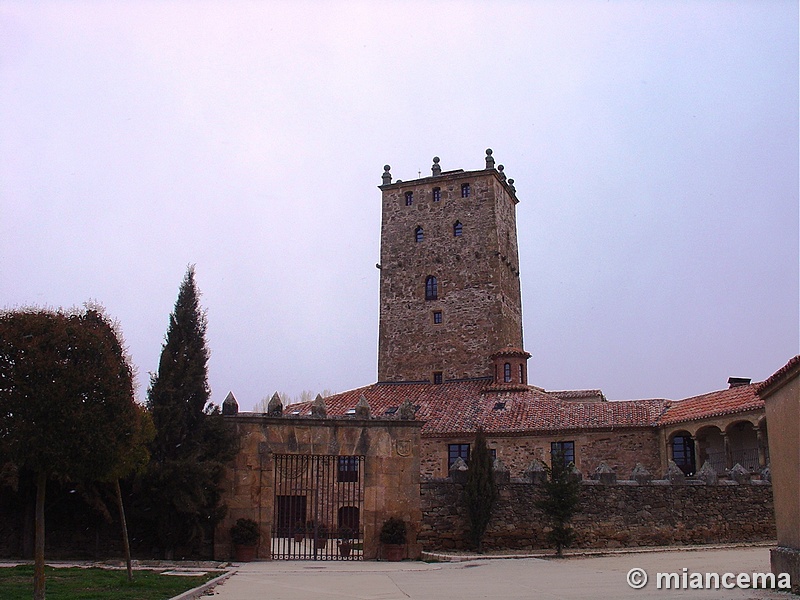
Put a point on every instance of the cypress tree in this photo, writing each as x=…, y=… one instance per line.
x=191, y=444
x=480, y=491
x=559, y=502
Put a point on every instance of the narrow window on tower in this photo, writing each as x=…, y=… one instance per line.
x=465, y=190
x=507, y=373
x=437, y=194
x=409, y=198
x=437, y=317
x=457, y=229
x=418, y=234
x=437, y=377
x=431, y=288
x=521, y=374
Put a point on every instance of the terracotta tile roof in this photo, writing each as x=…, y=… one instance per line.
x=461, y=406
x=785, y=371
x=714, y=404
x=511, y=351
x=578, y=394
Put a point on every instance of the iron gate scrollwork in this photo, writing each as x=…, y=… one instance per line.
x=318, y=507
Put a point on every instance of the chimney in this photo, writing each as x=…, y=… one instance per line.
x=738, y=382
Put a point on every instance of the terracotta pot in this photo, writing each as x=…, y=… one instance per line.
x=244, y=553
x=394, y=552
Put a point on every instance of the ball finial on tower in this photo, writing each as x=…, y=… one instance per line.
x=489, y=159
x=387, y=177
x=436, y=169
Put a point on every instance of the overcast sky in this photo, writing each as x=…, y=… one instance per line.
x=654, y=146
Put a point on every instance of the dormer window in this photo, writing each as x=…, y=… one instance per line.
x=418, y=234
x=409, y=198
x=431, y=288
x=457, y=229
x=465, y=190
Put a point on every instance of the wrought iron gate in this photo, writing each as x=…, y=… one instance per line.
x=318, y=505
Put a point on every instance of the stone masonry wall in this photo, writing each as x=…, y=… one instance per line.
x=391, y=478
x=477, y=274
x=620, y=449
x=610, y=516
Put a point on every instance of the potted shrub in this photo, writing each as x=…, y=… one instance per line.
x=345, y=541
x=299, y=531
x=393, y=538
x=321, y=539
x=245, y=535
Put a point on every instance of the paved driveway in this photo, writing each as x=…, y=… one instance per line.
x=505, y=579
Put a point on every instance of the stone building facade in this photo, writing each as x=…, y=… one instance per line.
x=449, y=275
x=322, y=475
x=451, y=357
x=781, y=394
x=450, y=343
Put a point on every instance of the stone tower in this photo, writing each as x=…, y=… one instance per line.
x=450, y=300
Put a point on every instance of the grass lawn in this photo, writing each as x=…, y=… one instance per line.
x=16, y=583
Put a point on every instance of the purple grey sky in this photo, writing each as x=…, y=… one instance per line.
x=654, y=147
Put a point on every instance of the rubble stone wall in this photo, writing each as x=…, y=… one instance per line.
x=620, y=449
x=610, y=516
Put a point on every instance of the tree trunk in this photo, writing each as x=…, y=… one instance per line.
x=38, y=552
x=125, y=544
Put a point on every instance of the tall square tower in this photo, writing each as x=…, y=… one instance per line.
x=449, y=284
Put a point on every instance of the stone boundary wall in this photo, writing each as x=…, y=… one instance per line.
x=623, y=514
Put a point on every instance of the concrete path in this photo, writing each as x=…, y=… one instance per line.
x=507, y=579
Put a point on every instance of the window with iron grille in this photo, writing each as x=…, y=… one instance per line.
x=457, y=229
x=437, y=317
x=437, y=377
x=409, y=198
x=347, y=469
x=419, y=235
x=465, y=190
x=437, y=194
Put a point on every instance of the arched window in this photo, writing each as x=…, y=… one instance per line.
x=431, y=288
x=507, y=372
x=418, y=234
x=683, y=453
x=457, y=229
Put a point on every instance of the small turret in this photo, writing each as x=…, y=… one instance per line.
x=230, y=406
